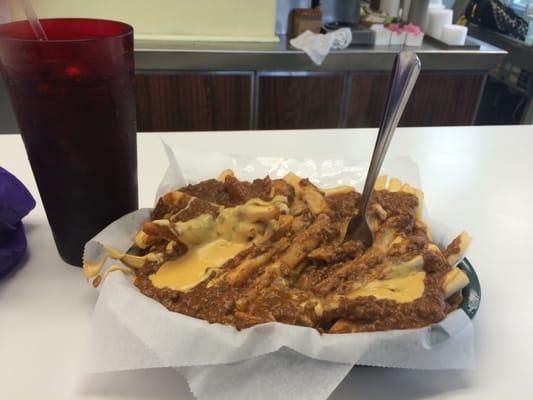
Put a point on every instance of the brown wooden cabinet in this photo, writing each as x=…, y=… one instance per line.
x=299, y=102
x=193, y=101
x=437, y=99
x=199, y=101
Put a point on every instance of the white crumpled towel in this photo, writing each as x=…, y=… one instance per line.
x=318, y=45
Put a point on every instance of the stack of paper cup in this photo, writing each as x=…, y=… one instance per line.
x=454, y=34
x=436, y=4
x=436, y=21
x=433, y=5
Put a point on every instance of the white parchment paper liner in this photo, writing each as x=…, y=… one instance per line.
x=132, y=331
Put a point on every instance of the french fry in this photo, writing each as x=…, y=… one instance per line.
x=394, y=185
x=454, y=281
x=456, y=249
x=381, y=182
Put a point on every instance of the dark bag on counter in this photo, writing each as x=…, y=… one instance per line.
x=493, y=15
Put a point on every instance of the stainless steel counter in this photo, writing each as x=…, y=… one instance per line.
x=279, y=58
x=216, y=56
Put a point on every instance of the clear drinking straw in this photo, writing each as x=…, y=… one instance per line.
x=35, y=24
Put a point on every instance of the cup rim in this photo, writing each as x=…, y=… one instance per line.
x=128, y=30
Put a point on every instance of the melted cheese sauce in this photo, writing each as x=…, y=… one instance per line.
x=92, y=268
x=401, y=290
x=213, y=241
x=190, y=269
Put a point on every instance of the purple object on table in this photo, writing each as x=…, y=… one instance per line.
x=15, y=203
x=12, y=249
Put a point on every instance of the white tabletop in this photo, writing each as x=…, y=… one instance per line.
x=479, y=178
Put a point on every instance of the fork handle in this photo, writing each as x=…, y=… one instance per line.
x=404, y=74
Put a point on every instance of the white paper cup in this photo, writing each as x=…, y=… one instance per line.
x=454, y=35
x=436, y=21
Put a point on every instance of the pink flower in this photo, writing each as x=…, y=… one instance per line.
x=413, y=29
x=394, y=28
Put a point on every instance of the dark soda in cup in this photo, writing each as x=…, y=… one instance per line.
x=73, y=96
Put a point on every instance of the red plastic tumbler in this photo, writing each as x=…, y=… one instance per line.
x=73, y=96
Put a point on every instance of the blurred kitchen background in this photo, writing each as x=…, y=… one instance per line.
x=228, y=64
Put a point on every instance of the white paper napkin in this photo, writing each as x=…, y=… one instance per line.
x=317, y=45
x=274, y=375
